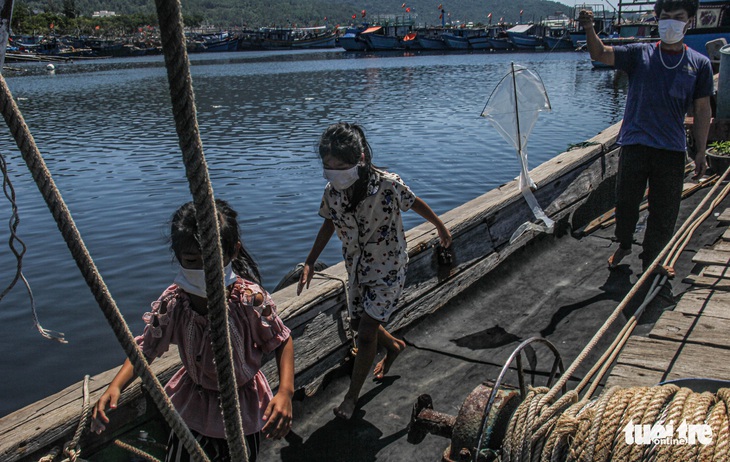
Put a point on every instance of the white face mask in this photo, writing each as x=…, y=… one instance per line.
x=671, y=30
x=192, y=281
x=342, y=179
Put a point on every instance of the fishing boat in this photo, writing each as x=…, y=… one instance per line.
x=482, y=231
x=431, y=39
x=525, y=36
x=498, y=38
x=457, y=39
x=300, y=37
x=381, y=38
x=351, y=39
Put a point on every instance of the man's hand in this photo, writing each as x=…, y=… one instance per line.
x=585, y=18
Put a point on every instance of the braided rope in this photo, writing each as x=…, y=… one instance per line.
x=72, y=449
x=596, y=430
x=52, y=196
x=186, y=124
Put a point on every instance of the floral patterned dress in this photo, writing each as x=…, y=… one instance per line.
x=194, y=388
x=373, y=242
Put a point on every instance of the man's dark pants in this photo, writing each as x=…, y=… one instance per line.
x=663, y=171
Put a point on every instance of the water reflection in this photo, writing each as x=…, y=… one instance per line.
x=106, y=131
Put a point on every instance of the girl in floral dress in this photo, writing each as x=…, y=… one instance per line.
x=364, y=204
x=179, y=317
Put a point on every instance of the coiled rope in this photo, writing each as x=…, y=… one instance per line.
x=584, y=429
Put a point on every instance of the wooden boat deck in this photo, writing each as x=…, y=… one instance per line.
x=690, y=341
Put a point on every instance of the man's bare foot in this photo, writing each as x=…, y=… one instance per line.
x=617, y=256
x=345, y=409
x=384, y=364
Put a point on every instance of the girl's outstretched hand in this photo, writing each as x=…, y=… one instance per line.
x=278, y=417
x=305, y=278
x=445, y=237
x=99, y=417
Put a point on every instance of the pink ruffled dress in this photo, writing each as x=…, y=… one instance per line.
x=194, y=388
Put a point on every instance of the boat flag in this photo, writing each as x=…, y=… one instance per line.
x=408, y=10
x=512, y=109
x=354, y=16
x=441, y=6
x=403, y=5
x=363, y=13
x=489, y=15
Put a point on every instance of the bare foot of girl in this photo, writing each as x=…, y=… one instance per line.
x=617, y=256
x=345, y=409
x=384, y=364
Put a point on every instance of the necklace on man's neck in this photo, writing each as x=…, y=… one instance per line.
x=662, y=58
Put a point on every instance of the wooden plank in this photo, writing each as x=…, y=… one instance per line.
x=705, y=302
x=27, y=430
x=710, y=282
x=647, y=361
x=682, y=327
x=712, y=257
x=716, y=271
x=721, y=246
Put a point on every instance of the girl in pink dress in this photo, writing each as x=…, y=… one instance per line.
x=179, y=317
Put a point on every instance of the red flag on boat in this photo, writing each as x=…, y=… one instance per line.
x=408, y=10
x=354, y=16
x=489, y=15
x=521, y=11
x=363, y=13
x=403, y=5
x=440, y=6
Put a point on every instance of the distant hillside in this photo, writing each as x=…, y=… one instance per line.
x=254, y=13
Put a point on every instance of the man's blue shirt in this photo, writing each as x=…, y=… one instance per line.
x=658, y=97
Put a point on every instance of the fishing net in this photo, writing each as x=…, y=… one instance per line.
x=513, y=108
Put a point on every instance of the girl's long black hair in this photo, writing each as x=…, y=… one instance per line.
x=346, y=142
x=184, y=236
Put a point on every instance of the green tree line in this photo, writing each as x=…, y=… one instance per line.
x=75, y=16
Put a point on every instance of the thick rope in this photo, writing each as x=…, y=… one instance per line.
x=52, y=196
x=183, y=109
x=596, y=430
x=72, y=450
x=136, y=451
x=591, y=430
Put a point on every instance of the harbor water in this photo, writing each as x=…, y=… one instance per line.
x=106, y=131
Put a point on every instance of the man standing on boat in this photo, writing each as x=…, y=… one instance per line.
x=665, y=79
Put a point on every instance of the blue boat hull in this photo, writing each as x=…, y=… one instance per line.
x=455, y=42
x=529, y=42
x=382, y=42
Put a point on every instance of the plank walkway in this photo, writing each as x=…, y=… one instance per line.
x=691, y=341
